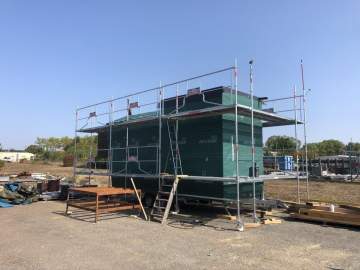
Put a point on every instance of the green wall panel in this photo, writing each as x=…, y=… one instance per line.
x=206, y=147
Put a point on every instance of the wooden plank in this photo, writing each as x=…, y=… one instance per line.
x=340, y=203
x=139, y=199
x=332, y=215
x=252, y=225
x=351, y=207
x=170, y=199
x=271, y=221
x=322, y=219
x=228, y=217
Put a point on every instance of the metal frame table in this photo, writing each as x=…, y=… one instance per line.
x=104, y=199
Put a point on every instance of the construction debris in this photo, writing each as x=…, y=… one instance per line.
x=326, y=213
x=17, y=193
x=25, y=188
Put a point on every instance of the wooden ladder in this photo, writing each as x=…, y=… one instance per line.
x=164, y=199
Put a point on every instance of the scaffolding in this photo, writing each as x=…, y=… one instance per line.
x=147, y=106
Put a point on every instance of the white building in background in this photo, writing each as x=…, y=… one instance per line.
x=16, y=156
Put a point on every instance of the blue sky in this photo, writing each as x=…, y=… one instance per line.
x=56, y=55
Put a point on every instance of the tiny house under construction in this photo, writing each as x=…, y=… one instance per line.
x=205, y=147
x=209, y=138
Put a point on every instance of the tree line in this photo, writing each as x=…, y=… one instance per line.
x=285, y=145
x=56, y=149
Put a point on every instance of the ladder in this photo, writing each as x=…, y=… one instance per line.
x=164, y=199
x=174, y=149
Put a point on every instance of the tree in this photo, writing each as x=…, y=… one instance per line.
x=313, y=150
x=325, y=148
x=34, y=149
x=353, y=147
x=331, y=147
x=83, y=147
x=55, y=149
x=282, y=145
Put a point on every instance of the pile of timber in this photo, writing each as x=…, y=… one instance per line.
x=326, y=213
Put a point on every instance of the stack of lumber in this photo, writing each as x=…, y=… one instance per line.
x=327, y=213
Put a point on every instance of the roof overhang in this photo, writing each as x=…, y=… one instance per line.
x=268, y=119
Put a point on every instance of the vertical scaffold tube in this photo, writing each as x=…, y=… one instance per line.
x=296, y=148
x=110, y=145
x=127, y=140
x=251, y=62
x=160, y=127
x=305, y=135
x=75, y=149
x=240, y=224
x=177, y=147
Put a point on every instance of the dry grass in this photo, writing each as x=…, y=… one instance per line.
x=55, y=169
x=319, y=190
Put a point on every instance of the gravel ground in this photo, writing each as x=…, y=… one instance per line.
x=39, y=236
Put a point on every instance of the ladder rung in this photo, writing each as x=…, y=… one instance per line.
x=164, y=192
x=162, y=199
x=156, y=215
x=158, y=207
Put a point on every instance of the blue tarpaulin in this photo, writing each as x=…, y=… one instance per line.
x=4, y=204
x=12, y=187
x=17, y=193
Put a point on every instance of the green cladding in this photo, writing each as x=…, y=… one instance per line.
x=206, y=146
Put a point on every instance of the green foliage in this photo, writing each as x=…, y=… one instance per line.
x=330, y=147
x=84, y=145
x=313, y=150
x=34, y=149
x=2, y=163
x=325, y=148
x=55, y=149
x=53, y=144
x=282, y=145
x=353, y=147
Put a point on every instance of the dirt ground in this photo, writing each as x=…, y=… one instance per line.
x=39, y=236
x=55, y=169
x=348, y=193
